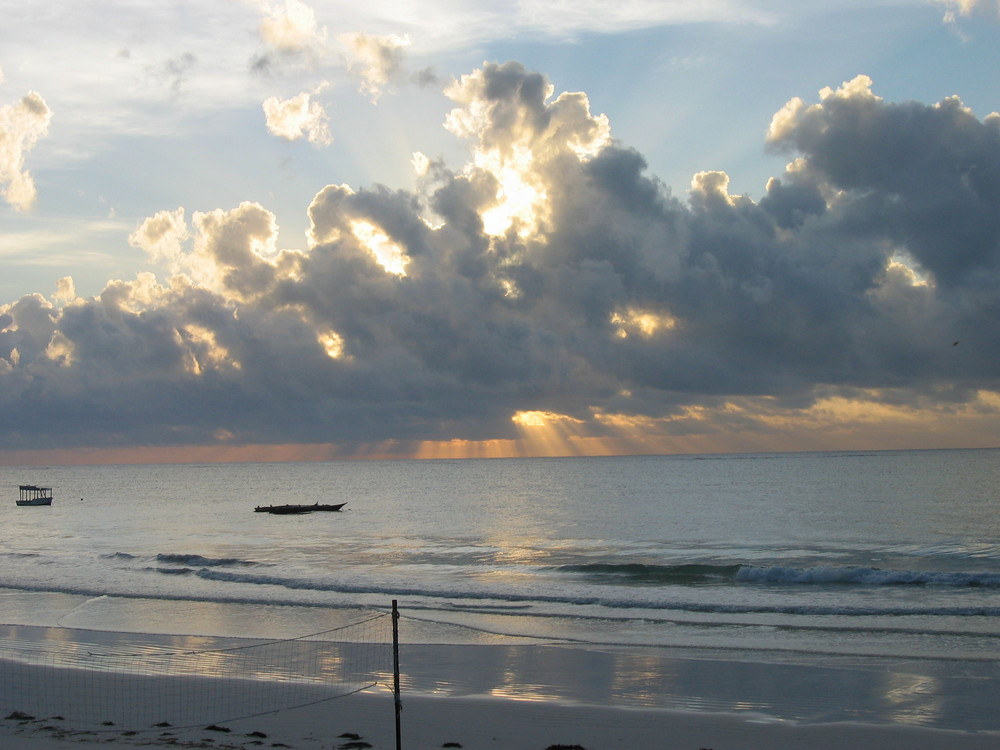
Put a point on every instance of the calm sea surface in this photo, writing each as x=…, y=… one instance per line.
x=873, y=578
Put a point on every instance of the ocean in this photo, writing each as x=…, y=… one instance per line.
x=845, y=586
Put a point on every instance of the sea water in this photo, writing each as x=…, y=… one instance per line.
x=867, y=580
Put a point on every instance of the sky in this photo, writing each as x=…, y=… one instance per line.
x=307, y=229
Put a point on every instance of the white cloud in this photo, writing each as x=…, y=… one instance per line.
x=162, y=237
x=374, y=59
x=291, y=27
x=298, y=117
x=966, y=7
x=21, y=125
x=229, y=252
x=65, y=290
x=158, y=68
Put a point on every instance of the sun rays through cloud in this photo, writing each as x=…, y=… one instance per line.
x=531, y=287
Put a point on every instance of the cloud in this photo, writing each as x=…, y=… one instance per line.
x=175, y=71
x=376, y=60
x=162, y=237
x=551, y=293
x=921, y=177
x=21, y=125
x=231, y=252
x=290, y=33
x=290, y=27
x=163, y=68
x=517, y=132
x=955, y=8
x=564, y=17
x=425, y=78
x=298, y=117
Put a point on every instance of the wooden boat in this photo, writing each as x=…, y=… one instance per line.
x=32, y=495
x=287, y=509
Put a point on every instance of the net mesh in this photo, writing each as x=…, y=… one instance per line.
x=149, y=681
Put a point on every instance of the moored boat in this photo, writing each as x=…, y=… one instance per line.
x=30, y=494
x=288, y=509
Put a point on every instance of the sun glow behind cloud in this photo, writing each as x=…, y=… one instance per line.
x=866, y=421
x=754, y=425
x=332, y=343
x=204, y=351
x=642, y=323
x=521, y=202
x=558, y=299
x=902, y=263
x=534, y=136
x=389, y=255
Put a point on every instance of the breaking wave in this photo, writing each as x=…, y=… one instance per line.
x=204, y=562
x=489, y=598
x=738, y=573
x=185, y=559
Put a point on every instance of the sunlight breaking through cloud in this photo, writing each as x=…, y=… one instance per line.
x=643, y=323
x=388, y=254
x=536, y=134
x=550, y=297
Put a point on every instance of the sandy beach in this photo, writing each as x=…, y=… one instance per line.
x=366, y=719
x=522, y=625
x=484, y=724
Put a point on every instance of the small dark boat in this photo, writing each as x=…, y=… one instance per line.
x=32, y=495
x=288, y=509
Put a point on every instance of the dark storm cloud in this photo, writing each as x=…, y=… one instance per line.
x=605, y=294
x=926, y=177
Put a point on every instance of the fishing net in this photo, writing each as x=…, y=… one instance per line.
x=138, y=682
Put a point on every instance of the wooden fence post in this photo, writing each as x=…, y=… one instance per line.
x=395, y=670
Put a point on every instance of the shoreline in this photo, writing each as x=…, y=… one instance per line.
x=477, y=711
x=479, y=723
x=780, y=687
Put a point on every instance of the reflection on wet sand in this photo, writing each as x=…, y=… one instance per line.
x=836, y=690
